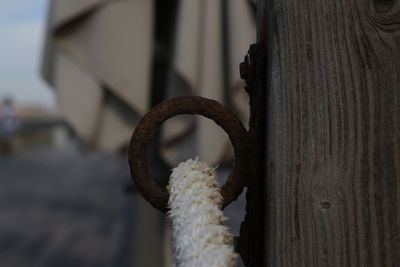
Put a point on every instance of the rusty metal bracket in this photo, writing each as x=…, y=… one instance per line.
x=224, y=117
x=250, y=243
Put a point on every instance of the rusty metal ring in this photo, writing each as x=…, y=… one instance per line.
x=149, y=124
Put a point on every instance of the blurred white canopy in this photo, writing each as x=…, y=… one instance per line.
x=98, y=57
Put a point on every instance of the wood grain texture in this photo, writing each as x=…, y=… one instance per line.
x=333, y=133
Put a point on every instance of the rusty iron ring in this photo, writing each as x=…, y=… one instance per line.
x=149, y=124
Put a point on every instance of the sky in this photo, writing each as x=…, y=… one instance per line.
x=22, y=27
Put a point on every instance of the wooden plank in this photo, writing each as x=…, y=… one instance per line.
x=333, y=132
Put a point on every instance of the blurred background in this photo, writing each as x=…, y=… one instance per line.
x=75, y=78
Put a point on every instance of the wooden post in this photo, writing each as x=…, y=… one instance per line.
x=332, y=191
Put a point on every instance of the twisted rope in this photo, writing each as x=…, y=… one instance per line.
x=200, y=237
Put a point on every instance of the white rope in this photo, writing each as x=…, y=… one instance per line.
x=201, y=239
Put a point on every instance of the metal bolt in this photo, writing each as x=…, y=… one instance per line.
x=244, y=68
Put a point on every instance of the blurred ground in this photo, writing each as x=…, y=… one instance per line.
x=61, y=208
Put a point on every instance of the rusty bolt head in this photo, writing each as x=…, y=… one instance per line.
x=244, y=67
x=244, y=70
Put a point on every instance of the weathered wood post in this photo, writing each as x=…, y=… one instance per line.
x=332, y=94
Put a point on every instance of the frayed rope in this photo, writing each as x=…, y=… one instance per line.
x=200, y=237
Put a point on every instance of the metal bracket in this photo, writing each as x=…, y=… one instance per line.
x=250, y=243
